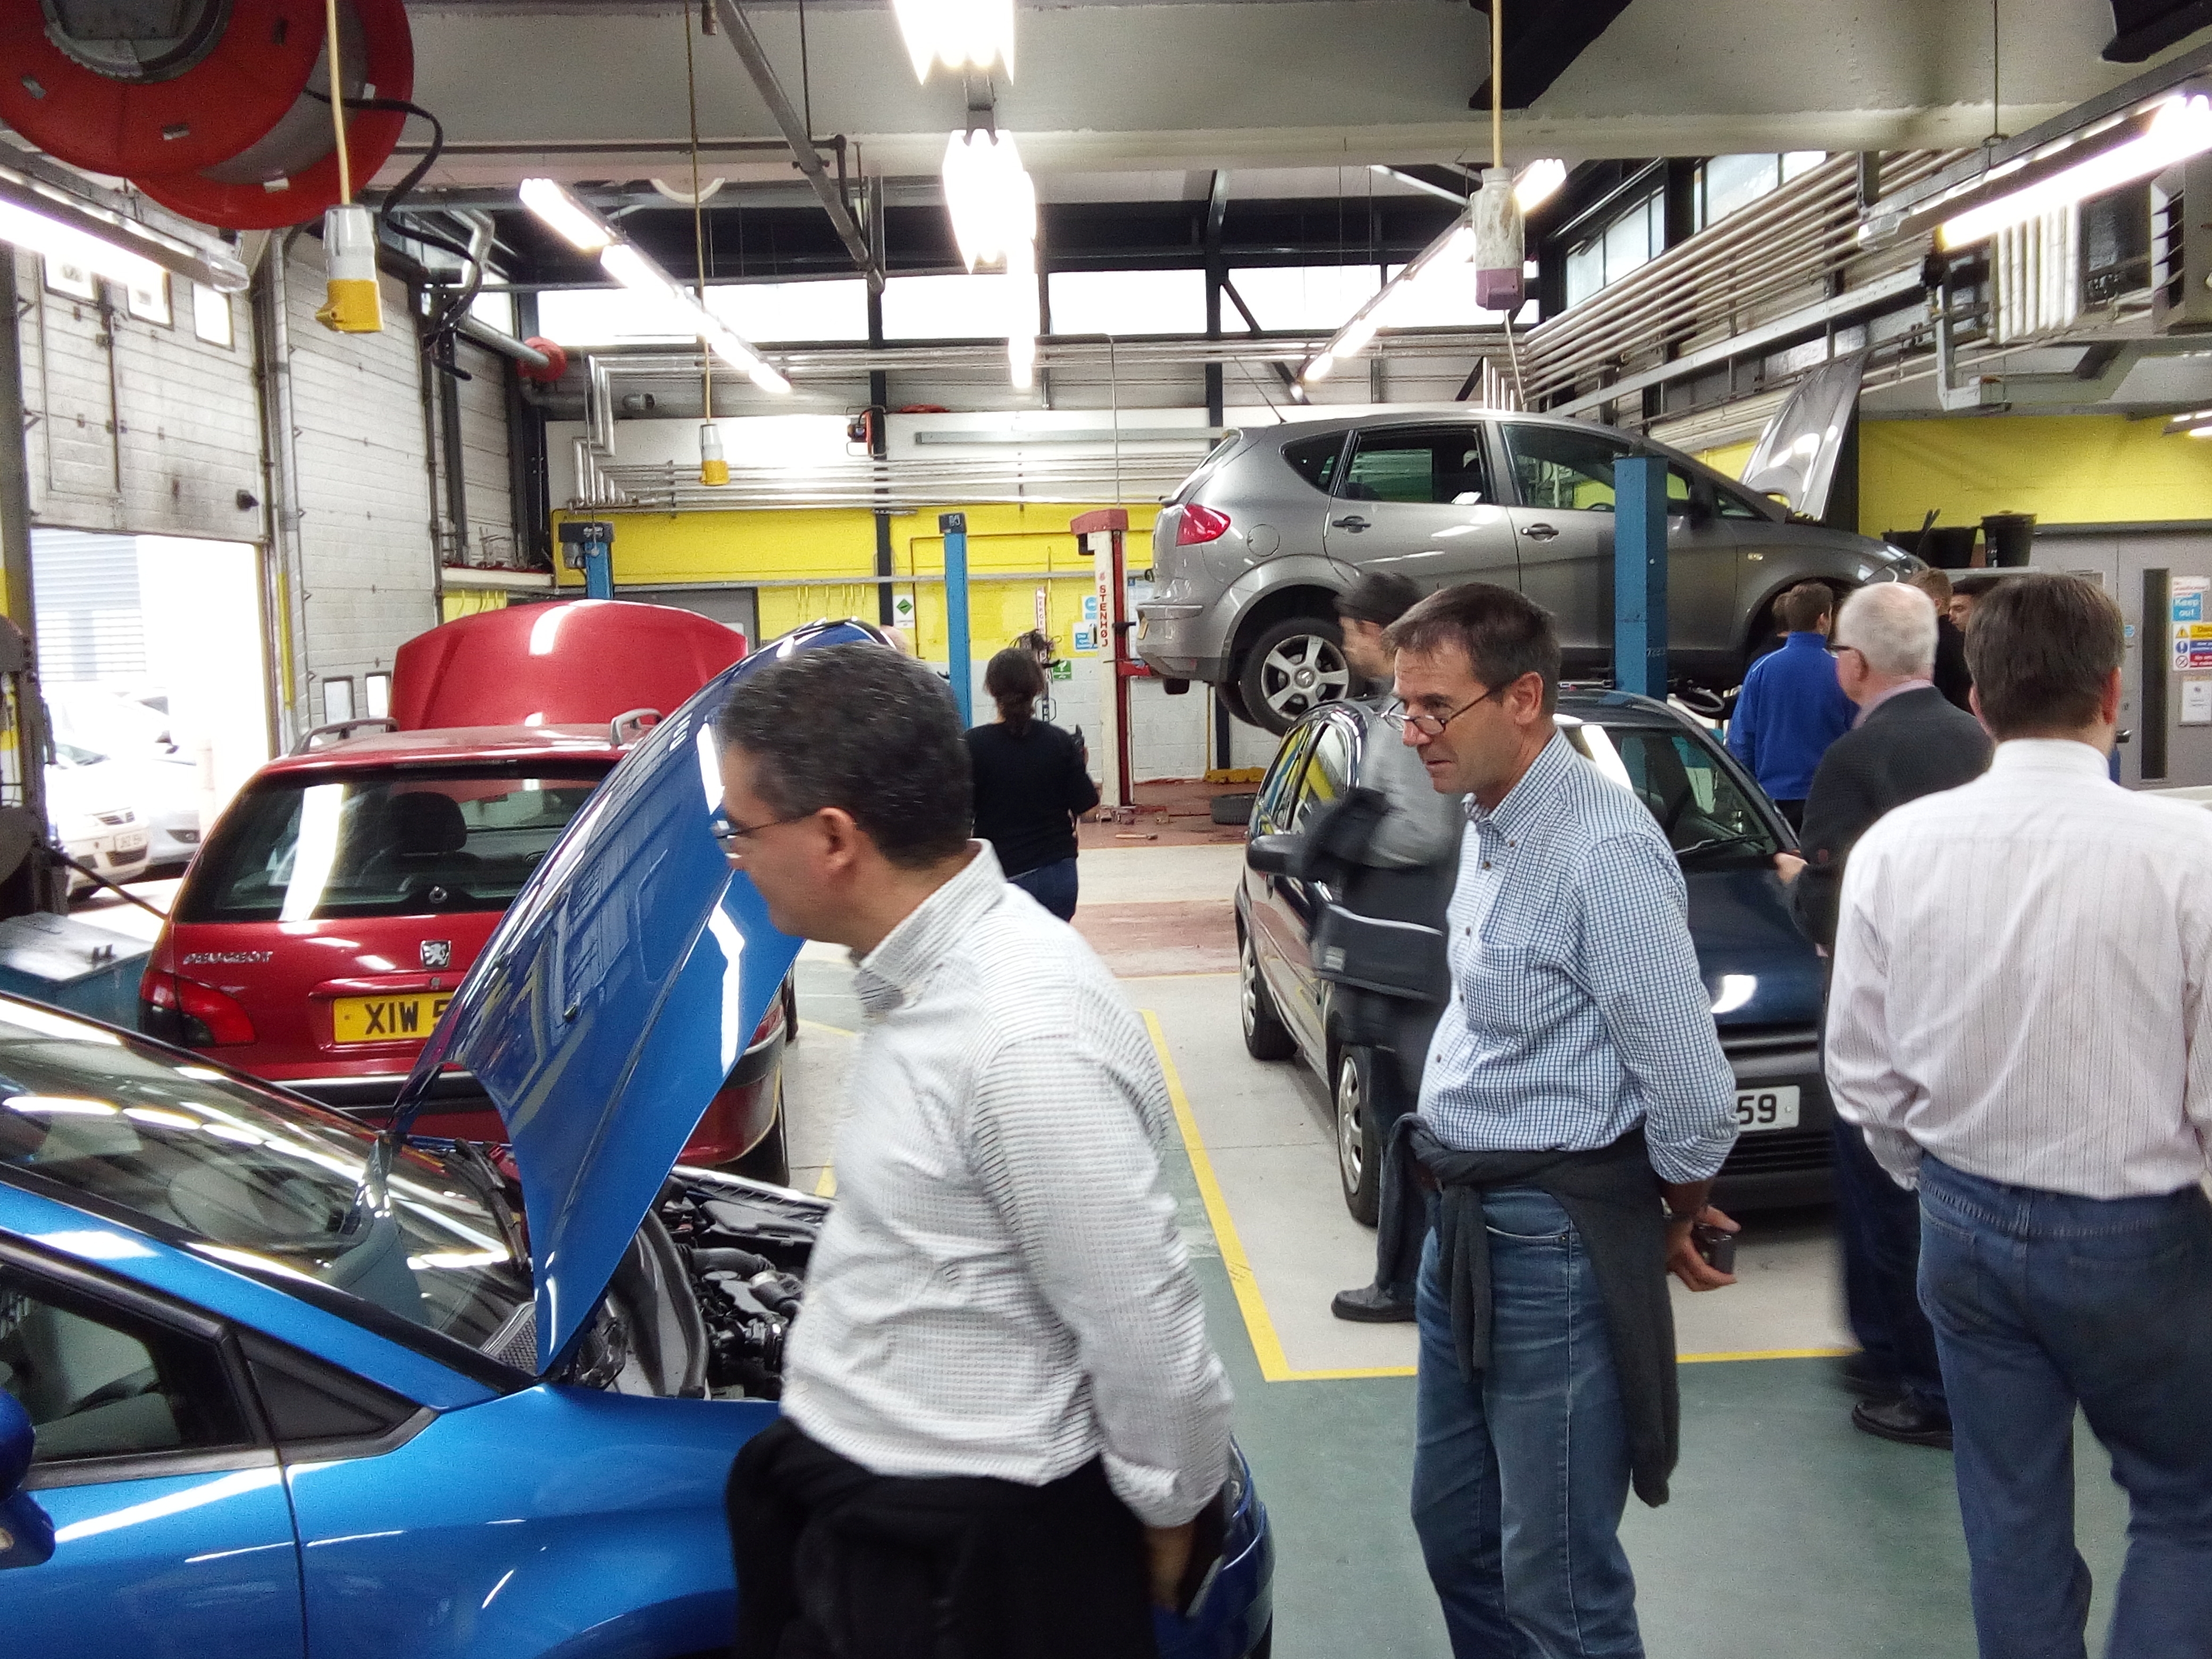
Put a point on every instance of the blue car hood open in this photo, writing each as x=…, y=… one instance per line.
x=621, y=987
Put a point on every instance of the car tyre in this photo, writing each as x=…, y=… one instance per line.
x=769, y=1160
x=1358, y=1140
x=790, y=1008
x=1295, y=665
x=1265, y=1647
x=1266, y=1036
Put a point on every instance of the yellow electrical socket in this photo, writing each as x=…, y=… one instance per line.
x=352, y=307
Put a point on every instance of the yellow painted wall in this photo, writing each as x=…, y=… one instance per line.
x=826, y=548
x=467, y=601
x=1730, y=457
x=2065, y=469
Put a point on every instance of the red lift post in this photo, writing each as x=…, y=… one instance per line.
x=1099, y=535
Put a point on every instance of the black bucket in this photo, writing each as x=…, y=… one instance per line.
x=2011, y=538
x=1904, y=541
x=1948, y=547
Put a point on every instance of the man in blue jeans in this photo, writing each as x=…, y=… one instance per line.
x=2021, y=1018
x=1574, y=1087
x=1791, y=709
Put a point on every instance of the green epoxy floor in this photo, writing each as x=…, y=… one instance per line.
x=1790, y=1533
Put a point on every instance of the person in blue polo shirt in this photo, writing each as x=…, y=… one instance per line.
x=1790, y=708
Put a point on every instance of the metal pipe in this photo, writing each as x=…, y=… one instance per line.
x=748, y=48
x=506, y=345
x=286, y=595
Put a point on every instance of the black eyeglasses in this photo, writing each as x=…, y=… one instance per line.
x=1433, y=725
x=732, y=837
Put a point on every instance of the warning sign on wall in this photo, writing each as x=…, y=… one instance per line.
x=2192, y=632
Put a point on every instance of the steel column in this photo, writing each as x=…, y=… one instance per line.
x=1639, y=575
x=954, y=526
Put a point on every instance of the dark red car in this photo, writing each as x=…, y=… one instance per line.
x=337, y=904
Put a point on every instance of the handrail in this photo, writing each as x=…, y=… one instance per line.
x=641, y=720
x=339, y=728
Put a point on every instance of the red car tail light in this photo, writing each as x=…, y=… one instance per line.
x=190, y=1014
x=1199, y=524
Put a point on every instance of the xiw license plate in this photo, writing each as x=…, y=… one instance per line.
x=392, y=1019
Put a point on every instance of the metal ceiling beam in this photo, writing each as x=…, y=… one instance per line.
x=747, y=45
x=1543, y=38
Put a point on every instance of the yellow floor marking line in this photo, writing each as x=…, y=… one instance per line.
x=806, y=1024
x=1763, y=1353
x=1266, y=1346
x=825, y=1184
x=1196, y=973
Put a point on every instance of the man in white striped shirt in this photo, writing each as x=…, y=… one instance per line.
x=2021, y=1020
x=1003, y=1360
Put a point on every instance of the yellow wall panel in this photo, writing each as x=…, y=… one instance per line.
x=825, y=550
x=1730, y=457
x=467, y=601
x=2065, y=469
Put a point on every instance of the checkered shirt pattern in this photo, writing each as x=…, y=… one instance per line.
x=1576, y=1006
x=1002, y=1287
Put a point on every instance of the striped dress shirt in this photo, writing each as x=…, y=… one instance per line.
x=1576, y=1009
x=2021, y=967
x=1002, y=1289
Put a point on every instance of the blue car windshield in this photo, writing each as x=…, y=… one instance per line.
x=256, y=1180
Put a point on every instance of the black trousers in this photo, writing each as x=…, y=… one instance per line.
x=834, y=1562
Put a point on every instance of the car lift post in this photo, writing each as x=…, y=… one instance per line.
x=589, y=546
x=1098, y=536
x=1639, y=575
x=954, y=528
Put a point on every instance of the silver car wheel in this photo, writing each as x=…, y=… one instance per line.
x=1248, y=989
x=1351, y=1123
x=1303, y=672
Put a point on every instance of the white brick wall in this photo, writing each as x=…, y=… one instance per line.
x=369, y=563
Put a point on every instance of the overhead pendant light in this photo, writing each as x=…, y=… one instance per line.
x=969, y=35
x=1443, y=260
x=2180, y=128
x=1538, y=182
x=569, y=218
x=37, y=233
x=992, y=202
x=40, y=219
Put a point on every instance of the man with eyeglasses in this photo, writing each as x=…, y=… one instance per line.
x=1574, y=1111
x=1001, y=1413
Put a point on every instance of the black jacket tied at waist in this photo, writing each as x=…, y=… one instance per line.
x=1612, y=1196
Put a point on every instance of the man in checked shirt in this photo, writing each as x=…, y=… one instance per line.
x=1574, y=1111
x=1000, y=1411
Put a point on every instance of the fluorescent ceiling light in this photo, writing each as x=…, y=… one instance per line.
x=627, y=264
x=1442, y=258
x=2181, y=128
x=961, y=34
x=43, y=219
x=577, y=225
x=1538, y=183
x=990, y=197
x=637, y=271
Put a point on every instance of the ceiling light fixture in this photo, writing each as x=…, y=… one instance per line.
x=40, y=219
x=1442, y=259
x=969, y=35
x=2180, y=128
x=637, y=271
x=992, y=201
x=576, y=223
x=1538, y=183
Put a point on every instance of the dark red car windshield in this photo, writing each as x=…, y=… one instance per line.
x=388, y=843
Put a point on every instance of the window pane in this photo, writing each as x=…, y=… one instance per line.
x=775, y=312
x=211, y=315
x=602, y=316
x=1559, y=468
x=1585, y=271
x=1433, y=464
x=1628, y=241
x=1798, y=162
x=975, y=308
x=392, y=844
x=1315, y=460
x=1325, y=769
x=1128, y=301
x=1300, y=296
x=99, y=1383
x=1275, y=790
x=1736, y=181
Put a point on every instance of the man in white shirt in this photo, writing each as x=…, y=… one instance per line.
x=2021, y=1019
x=1001, y=1413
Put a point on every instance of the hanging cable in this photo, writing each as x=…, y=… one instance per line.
x=713, y=469
x=1498, y=83
x=337, y=103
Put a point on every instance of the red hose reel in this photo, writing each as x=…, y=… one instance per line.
x=221, y=112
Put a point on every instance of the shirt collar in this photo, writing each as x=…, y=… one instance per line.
x=1896, y=690
x=1809, y=639
x=909, y=953
x=1541, y=783
x=2050, y=757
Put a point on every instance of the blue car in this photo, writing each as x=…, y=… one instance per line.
x=272, y=1384
x=1763, y=975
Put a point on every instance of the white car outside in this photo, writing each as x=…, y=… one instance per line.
x=89, y=803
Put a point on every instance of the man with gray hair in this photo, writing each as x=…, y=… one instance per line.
x=1908, y=741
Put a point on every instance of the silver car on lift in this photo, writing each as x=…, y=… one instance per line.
x=1250, y=555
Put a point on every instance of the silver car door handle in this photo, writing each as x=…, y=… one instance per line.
x=1354, y=522
x=1538, y=532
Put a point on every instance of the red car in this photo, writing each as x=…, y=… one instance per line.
x=337, y=903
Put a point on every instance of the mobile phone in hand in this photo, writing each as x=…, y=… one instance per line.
x=1715, y=1246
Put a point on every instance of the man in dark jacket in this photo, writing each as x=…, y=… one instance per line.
x=1908, y=742
x=1952, y=678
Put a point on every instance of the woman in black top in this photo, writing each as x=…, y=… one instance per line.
x=1031, y=782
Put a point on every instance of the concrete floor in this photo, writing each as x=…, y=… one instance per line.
x=1790, y=1533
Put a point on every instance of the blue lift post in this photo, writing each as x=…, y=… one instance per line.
x=954, y=526
x=589, y=546
x=1639, y=575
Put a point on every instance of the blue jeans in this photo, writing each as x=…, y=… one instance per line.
x=1878, y=1223
x=1052, y=885
x=2042, y=1301
x=1521, y=1476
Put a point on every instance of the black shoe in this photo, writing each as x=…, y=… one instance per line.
x=1861, y=1374
x=1369, y=1306
x=1903, y=1421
